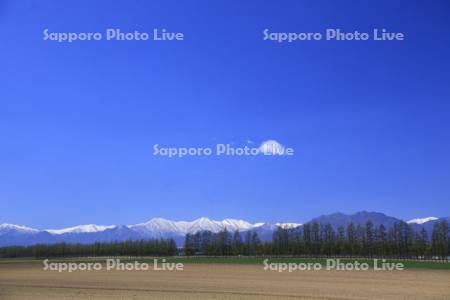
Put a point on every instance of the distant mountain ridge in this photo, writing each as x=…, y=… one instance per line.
x=359, y=218
x=11, y=234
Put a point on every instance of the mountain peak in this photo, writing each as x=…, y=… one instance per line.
x=358, y=218
x=202, y=219
x=157, y=220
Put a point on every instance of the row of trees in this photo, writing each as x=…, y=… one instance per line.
x=222, y=243
x=401, y=240
x=163, y=247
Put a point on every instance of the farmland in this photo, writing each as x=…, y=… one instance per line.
x=222, y=278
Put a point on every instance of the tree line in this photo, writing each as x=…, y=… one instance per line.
x=401, y=240
x=222, y=243
x=161, y=247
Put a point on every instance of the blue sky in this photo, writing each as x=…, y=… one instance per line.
x=369, y=121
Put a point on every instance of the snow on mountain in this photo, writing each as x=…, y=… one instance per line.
x=5, y=227
x=160, y=225
x=203, y=224
x=155, y=225
x=232, y=225
x=90, y=228
x=288, y=225
x=154, y=228
x=421, y=220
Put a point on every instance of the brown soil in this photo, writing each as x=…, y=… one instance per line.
x=203, y=281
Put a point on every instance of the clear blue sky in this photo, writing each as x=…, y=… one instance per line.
x=369, y=121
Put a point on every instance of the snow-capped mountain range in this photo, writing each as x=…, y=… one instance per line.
x=156, y=225
x=11, y=234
